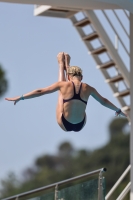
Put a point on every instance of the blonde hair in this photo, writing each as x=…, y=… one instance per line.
x=74, y=71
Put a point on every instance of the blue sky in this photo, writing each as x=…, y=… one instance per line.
x=28, y=49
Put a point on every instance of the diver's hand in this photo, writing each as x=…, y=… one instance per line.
x=121, y=114
x=15, y=99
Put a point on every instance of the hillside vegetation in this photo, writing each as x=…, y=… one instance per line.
x=69, y=162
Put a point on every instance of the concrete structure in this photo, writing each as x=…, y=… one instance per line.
x=82, y=5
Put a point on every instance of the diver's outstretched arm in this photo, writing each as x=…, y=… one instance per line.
x=105, y=102
x=37, y=93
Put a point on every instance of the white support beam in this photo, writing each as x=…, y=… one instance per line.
x=84, y=4
x=131, y=90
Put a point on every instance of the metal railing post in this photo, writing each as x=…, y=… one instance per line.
x=56, y=193
x=100, y=186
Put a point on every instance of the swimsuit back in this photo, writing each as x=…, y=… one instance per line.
x=75, y=96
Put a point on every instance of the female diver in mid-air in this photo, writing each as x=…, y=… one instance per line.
x=73, y=96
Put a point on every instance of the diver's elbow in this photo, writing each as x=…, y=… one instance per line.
x=104, y=101
x=38, y=91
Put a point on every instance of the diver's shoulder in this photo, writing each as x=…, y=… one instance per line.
x=87, y=86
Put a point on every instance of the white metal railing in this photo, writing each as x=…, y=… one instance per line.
x=126, y=189
x=117, y=22
x=116, y=25
x=120, y=22
x=116, y=31
x=124, y=192
x=56, y=186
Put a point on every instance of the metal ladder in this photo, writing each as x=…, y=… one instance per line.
x=90, y=19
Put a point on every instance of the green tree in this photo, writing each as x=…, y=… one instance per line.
x=117, y=126
x=3, y=82
x=10, y=185
x=66, y=149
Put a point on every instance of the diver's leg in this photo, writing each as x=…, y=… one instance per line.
x=84, y=121
x=62, y=77
x=67, y=60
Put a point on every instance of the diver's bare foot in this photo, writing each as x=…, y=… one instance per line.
x=67, y=60
x=61, y=58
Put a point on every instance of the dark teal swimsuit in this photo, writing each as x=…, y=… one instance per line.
x=69, y=126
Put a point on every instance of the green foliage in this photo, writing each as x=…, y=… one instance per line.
x=69, y=162
x=10, y=185
x=117, y=126
x=65, y=149
x=3, y=82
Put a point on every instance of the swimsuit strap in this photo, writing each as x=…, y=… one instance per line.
x=77, y=95
x=80, y=88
